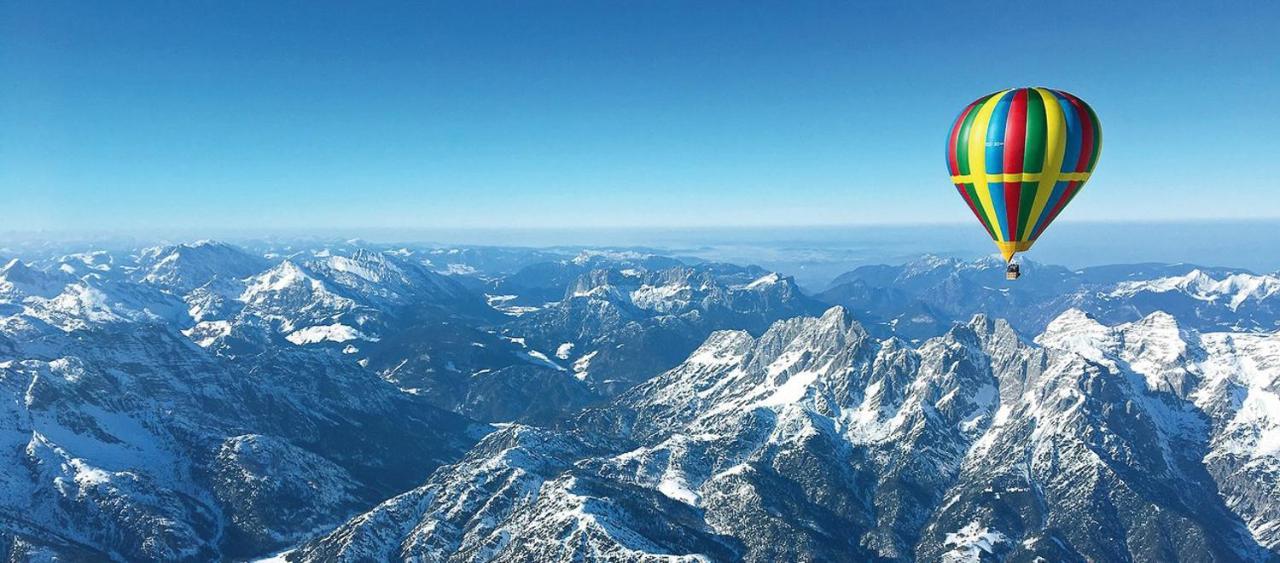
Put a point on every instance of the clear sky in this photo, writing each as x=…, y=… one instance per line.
x=296, y=115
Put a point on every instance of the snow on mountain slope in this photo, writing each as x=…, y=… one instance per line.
x=19, y=281
x=287, y=293
x=1100, y=436
x=122, y=439
x=181, y=268
x=501, y=474
x=114, y=438
x=1242, y=394
x=509, y=499
x=326, y=333
x=385, y=278
x=816, y=440
x=77, y=307
x=806, y=393
x=922, y=298
x=159, y=405
x=1234, y=289
x=634, y=322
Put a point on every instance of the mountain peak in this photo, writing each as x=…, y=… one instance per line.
x=769, y=279
x=1156, y=347
x=836, y=315
x=834, y=323
x=18, y=279
x=1076, y=331
x=181, y=268
x=18, y=271
x=283, y=275
x=1159, y=320
x=928, y=263
x=1073, y=316
x=980, y=322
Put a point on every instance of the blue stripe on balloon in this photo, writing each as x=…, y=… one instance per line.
x=997, y=202
x=1075, y=132
x=1058, y=189
x=995, y=134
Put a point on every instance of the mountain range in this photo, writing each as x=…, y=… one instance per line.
x=361, y=402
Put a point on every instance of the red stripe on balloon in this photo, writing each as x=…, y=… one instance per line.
x=1015, y=140
x=1086, y=137
x=952, y=163
x=1015, y=133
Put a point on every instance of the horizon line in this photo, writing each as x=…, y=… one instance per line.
x=333, y=230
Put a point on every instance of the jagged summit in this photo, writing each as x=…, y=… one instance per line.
x=965, y=444
x=13, y=266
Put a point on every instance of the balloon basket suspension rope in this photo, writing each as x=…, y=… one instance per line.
x=1007, y=250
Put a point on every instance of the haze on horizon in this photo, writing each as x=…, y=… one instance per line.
x=456, y=115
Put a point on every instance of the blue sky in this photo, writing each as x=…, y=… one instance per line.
x=299, y=115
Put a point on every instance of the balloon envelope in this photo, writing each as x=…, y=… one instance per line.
x=1018, y=157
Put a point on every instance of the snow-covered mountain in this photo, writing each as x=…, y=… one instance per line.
x=119, y=436
x=619, y=319
x=616, y=326
x=817, y=441
x=130, y=435
x=924, y=297
x=181, y=268
x=353, y=401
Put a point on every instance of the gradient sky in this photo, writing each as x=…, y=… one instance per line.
x=120, y=115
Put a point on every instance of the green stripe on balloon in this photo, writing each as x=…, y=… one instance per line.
x=1033, y=158
x=1026, y=201
x=962, y=143
x=962, y=140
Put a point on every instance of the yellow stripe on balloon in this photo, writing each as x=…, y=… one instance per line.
x=1022, y=177
x=1055, y=144
x=978, y=162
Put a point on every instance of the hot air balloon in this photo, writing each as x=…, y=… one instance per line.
x=1018, y=157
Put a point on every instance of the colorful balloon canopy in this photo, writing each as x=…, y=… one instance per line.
x=1019, y=156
